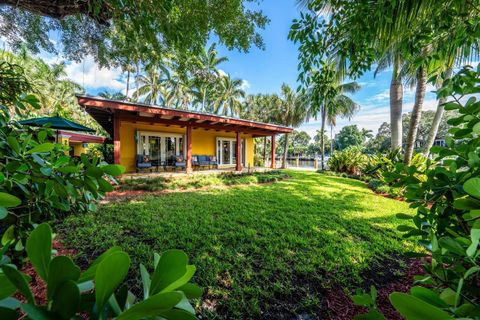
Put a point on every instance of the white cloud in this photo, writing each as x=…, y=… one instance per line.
x=370, y=119
x=222, y=73
x=88, y=74
x=381, y=97
x=245, y=85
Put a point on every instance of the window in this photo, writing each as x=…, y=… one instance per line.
x=159, y=146
x=227, y=151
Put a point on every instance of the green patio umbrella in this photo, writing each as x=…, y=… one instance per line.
x=58, y=123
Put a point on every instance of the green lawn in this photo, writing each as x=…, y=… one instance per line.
x=260, y=251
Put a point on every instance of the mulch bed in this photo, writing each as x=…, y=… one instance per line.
x=339, y=305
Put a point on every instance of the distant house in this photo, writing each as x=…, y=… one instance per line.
x=146, y=136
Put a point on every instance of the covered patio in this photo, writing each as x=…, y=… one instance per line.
x=178, y=138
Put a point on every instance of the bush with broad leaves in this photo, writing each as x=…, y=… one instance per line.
x=447, y=219
x=97, y=292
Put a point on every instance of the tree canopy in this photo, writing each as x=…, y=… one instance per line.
x=124, y=31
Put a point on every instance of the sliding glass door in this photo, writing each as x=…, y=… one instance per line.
x=227, y=151
x=161, y=148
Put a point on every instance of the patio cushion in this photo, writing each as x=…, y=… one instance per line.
x=213, y=160
x=144, y=165
x=180, y=164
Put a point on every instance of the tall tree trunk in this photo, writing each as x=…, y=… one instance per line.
x=396, y=100
x=331, y=139
x=322, y=138
x=285, y=152
x=128, y=82
x=136, y=80
x=416, y=114
x=436, y=120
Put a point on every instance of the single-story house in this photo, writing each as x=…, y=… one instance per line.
x=147, y=135
x=77, y=141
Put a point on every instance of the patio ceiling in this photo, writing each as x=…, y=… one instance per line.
x=104, y=111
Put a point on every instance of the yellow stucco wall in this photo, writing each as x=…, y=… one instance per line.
x=78, y=148
x=203, y=142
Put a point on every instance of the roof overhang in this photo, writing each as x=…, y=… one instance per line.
x=81, y=137
x=103, y=111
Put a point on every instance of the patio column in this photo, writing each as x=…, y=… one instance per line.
x=116, y=138
x=265, y=151
x=239, y=152
x=272, y=165
x=188, y=167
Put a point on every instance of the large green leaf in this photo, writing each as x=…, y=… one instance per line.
x=176, y=314
x=171, y=267
x=475, y=237
x=61, y=269
x=3, y=213
x=90, y=273
x=472, y=187
x=44, y=147
x=37, y=313
x=413, y=308
x=153, y=306
x=19, y=281
x=113, y=169
x=8, y=314
x=6, y=287
x=109, y=275
x=191, y=291
x=8, y=200
x=13, y=143
x=66, y=300
x=39, y=249
x=428, y=296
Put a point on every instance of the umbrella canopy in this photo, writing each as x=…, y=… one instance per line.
x=56, y=123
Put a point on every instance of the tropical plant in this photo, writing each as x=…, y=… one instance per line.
x=229, y=96
x=447, y=219
x=152, y=84
x=38, y=181
x=206, y=76
x=416, y=39
x=351, y=136
x=327, y=96
x=98, y=291
x=114, y=34
x=289, y=109
x=351, y=161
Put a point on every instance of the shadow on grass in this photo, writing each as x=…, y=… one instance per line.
x=263, y=251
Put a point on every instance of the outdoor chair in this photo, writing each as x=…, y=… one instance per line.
x=180, y=163
x=213, y=162
x=143, y=163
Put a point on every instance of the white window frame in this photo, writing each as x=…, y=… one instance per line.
x=163, y=135
x=218, y=151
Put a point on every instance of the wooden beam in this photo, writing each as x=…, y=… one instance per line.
x=116, y=139
x=188, y=167
x=126, y=106
x=272, y=165
x=131, y=118
x=238, y=166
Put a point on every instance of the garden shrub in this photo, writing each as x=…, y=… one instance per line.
x=447, y=219
x=39, y=182
x=350, y=161
x=98, y=291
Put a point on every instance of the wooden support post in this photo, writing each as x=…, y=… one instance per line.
x=238, y=167
x=188, y=167
x=265, y=151
x=116, y=138
x=272, y=165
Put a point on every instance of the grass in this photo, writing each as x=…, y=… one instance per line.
x=263, y=251
x=199, y=181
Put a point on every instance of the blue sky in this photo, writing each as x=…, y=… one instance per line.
x=263, y=71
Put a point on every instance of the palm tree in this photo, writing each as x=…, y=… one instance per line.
x=151, y=83
x=230, y=95
x=327, y=97
x=290, y=111
x=112, y=95
x=206, y=74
